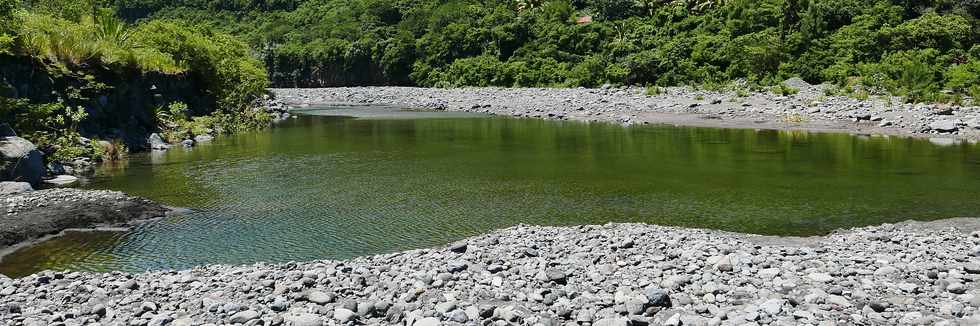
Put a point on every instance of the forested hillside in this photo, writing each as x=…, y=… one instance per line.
x=120, y=69
x=911, y=48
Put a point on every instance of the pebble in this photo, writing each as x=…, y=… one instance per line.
x=304, y=319
x=244, y=316
x=629, y=105
x=344, y=315
x=614, y=274
x=320, y=298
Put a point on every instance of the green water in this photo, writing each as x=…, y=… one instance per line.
x=323, y=187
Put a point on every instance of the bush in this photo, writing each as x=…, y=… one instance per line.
x=177, y=124
x=52, y=127
x=82, y=53
x=785, y=90
x=225, y=64
x=961, y=77
x=653, y=91
x=940, y=32
x=591, y=72
x=914, y=74
x=477, y=71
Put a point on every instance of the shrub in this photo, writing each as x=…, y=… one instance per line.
x=230, y=73
x=52, y=127
x=914, y=74
x=785, y=90
x=653, y=91
x=483, y=70
x=591, y=72
x=962, y=77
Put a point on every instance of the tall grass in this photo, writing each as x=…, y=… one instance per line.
x=100, y=40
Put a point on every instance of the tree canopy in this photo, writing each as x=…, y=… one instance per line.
x=896, y=46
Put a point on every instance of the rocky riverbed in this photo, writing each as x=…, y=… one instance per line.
x=809, y=109
x=616, y=274
x=28, y=215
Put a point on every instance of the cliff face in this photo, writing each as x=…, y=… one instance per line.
x=120, y=104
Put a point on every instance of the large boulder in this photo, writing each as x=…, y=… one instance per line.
x=20, y=161
x=10, y=187
x=944, y=125
x=156, y=142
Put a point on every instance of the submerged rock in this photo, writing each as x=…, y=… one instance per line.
x=203, y=138
x=62, y=180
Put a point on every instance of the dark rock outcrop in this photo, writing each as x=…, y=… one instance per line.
x=30, y=215
x=122, y=111
x=20, y=161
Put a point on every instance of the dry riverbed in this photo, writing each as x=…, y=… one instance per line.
x=810, y=109
x=616, y=274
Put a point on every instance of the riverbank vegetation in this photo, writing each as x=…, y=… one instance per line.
x=98, y=67
x=72, y=69
x=922, y=50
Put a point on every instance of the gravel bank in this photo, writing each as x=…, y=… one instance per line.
x=616, y=274
x=33, y=214
x=810, y=109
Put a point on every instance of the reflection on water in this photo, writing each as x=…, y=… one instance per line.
x=336, y=187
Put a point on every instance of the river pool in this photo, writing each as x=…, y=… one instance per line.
x=340, y=182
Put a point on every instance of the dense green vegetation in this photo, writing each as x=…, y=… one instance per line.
x=922, y=50
x=910, y=48
x=89, y=61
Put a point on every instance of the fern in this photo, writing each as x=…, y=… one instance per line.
x=102, y=39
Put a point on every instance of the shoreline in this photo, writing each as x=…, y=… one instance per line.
x=33, y=215
x=808, y=110
x=617, y=274
x=613, y=274
x=98, y=227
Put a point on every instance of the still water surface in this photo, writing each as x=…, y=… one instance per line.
x=330, y=186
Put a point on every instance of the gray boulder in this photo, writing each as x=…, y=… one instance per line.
x=244, y=316
x=798, y=83
x=203, y=138
x=974, y=123
x=9, y=187
x=156, y=142
x=429, y=321
x=56, y=168
x=658, y=297
x=20, y=161
x=612, y=322
x=304, y=320
x=944, y=125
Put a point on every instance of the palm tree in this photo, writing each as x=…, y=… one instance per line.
x=651, y=6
